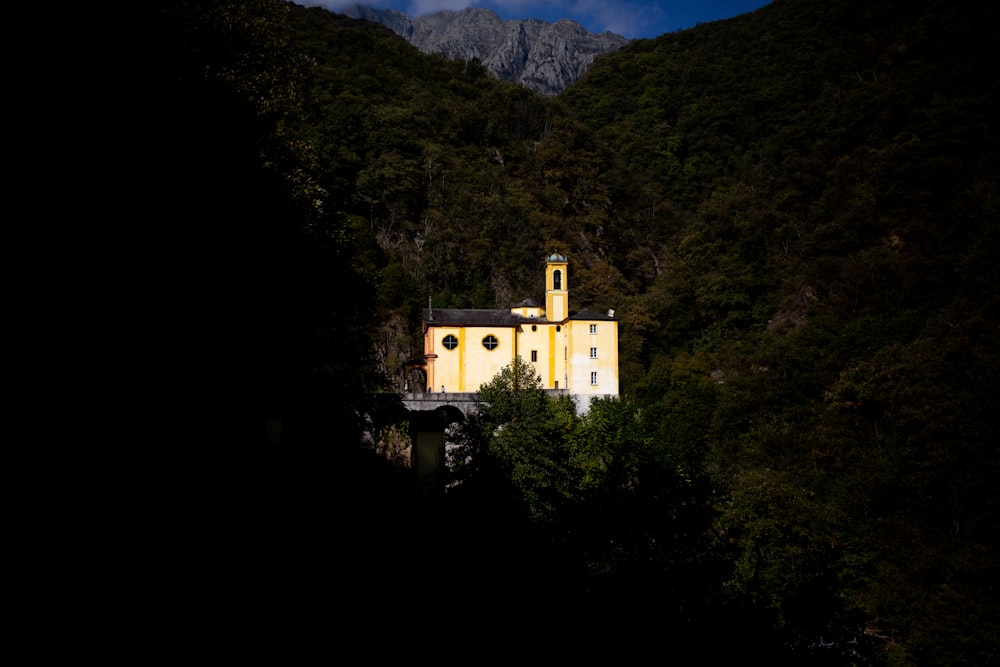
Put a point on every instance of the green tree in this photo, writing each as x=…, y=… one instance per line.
x=516, y=445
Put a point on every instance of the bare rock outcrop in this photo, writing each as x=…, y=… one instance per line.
x=543, y=56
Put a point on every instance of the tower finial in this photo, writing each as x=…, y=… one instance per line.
x=430, y=309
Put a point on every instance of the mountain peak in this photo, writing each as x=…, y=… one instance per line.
x=543, y=56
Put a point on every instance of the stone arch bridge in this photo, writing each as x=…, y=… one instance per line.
x=430, y=414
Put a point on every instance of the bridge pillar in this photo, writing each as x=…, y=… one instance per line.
x=427, y=429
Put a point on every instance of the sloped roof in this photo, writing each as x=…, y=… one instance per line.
x=471, y=317
x=591, y=315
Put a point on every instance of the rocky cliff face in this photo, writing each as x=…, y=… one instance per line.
x=545, y=57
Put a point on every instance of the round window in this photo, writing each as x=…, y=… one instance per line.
x=490, y=342
x=450, y=342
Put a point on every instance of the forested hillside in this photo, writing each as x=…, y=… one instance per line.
x=793, y=213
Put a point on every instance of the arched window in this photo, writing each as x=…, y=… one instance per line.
x=557, y=279
x=450, y=342
x=490, y=342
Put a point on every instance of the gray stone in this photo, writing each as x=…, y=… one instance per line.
x=545, y=57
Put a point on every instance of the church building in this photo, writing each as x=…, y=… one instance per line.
x=578, y=353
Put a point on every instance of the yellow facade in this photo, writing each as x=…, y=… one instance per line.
x=464, y=368
x=593, y=356
x=464, y=349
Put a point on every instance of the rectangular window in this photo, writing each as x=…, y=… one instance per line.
x=593, y=353
x=593, y=328
x=593, y=378
x=534, y=355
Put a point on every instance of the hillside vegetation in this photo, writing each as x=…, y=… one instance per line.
x=793, y=212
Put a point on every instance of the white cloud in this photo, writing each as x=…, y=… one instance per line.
x=628, y=17
x=522, y=8
x=525, y=6
x=419, y=7
x=332, y=5
x=624, y=18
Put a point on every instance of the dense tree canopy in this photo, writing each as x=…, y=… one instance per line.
x=794, y=213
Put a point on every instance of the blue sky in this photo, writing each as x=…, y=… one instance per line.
x=631, y=18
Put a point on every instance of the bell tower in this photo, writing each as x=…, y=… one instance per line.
x=556, y=288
